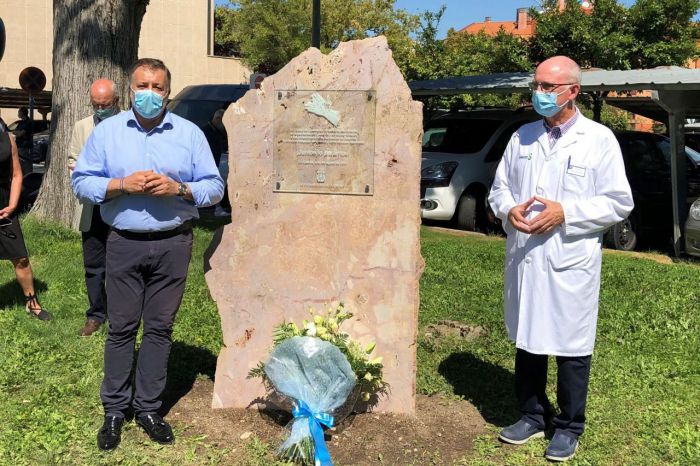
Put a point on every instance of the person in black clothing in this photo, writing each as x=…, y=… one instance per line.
x=23, y=131
x=12, y=245
x=216, y=135
x=215, y=132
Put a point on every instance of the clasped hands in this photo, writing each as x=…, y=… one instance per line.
x=149, y=182
x=551, y=216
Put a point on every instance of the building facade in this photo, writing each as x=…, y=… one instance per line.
x=179, y=32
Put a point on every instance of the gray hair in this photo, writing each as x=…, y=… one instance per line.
x=575, y=74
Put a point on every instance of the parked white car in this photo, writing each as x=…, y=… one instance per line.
x=692, y=230
x=461, y=151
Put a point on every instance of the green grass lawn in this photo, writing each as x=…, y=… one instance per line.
x=644, y=402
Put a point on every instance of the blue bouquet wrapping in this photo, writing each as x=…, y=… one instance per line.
x=317, y=378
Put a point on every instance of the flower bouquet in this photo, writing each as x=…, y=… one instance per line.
x=320, y=371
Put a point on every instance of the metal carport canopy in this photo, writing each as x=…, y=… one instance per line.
x=674, y=89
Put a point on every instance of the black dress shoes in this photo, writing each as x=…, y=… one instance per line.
x=110, y=434
x=156, y=428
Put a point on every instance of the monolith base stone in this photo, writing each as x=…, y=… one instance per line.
x=324, y=186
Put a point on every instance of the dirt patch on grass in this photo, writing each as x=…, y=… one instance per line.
x=454, y=232
x=653, y=256
x=442, y=432
x=453, y=328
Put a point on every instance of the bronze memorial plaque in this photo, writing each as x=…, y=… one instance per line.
x=324, y=141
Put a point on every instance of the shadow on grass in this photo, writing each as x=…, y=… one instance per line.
x=487, y=386
x=185, y=364
x=11, y=293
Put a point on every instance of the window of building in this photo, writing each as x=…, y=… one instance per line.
x=220, y=21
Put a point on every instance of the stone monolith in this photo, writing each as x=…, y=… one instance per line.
x=324, y=185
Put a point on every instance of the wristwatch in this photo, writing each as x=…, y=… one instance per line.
x=181, y=189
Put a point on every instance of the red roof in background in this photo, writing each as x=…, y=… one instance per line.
x=491, y=28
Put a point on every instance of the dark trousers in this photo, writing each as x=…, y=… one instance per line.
x=572, y=388
x=225, y=203
x=145, y=280
x=94, y=251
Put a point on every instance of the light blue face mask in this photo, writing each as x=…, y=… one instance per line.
x=147, y=103
x=545, y=103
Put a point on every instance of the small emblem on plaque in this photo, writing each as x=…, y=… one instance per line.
x=320, y=176
x=321, y=107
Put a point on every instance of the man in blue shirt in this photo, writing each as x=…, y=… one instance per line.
x=149, y=170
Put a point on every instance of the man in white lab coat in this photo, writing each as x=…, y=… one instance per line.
x=560, y=185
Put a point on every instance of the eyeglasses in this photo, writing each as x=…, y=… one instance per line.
x=546, y=87
x=5, y=222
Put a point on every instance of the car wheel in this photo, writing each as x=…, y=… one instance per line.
x=622, y=236
x=466, y=213
x=493, y=223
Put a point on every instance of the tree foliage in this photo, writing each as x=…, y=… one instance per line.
x=225, y=45
x=663, y=31
x=648, y=34
x=601, y=39
x=462, y=54
x=269, y=33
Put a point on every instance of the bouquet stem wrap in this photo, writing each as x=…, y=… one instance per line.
x=317, y=378
x=321, y=455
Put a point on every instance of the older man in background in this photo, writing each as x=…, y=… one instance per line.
x=105, y=103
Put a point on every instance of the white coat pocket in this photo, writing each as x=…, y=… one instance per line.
x=576, y=180
x=572, y=252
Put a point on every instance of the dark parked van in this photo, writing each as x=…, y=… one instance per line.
x=648, y=165
x=198, y=103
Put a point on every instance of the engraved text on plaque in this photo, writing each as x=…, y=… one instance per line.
x=324, y=141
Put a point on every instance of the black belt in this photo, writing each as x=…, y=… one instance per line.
x=154, y=235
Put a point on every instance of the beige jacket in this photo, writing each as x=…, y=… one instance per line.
x=81, y=132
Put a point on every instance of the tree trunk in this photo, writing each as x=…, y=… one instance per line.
x=91, y=39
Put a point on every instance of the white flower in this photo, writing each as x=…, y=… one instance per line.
x=310, y=328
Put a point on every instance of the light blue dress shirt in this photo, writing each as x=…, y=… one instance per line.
x=119, y=146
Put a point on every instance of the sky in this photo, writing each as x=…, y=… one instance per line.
x=461, y=13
